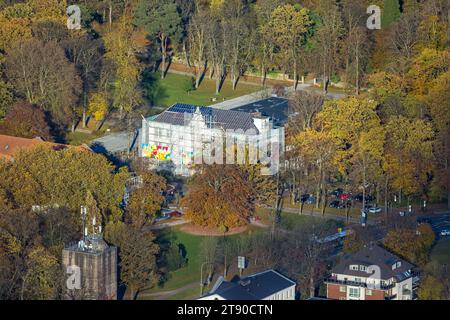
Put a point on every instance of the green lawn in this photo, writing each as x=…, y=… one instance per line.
x=186, y=275
x=172, y=90
x=189, y=273
x=78, y=138
x=441, y=252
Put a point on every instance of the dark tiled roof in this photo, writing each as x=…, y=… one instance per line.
x=373, y=255
x=255, y=287
x=274, y=107
x=224, y=119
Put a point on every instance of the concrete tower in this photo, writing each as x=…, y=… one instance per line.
x=90, y=264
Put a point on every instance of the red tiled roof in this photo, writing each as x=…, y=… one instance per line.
x=10, y=145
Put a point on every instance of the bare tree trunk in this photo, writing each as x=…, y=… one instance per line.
x=295, y=75
x=263, y=75
x=357, y=69
x=163, y=56
x=448, y=198
x=186, y=55
x=386, y=196
x=110, y=15
x=311, y=284
x=84, y=107
x=324, y=202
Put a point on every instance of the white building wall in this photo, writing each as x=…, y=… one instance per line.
x=184, y=139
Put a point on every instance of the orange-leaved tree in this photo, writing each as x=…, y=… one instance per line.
x=219, y=197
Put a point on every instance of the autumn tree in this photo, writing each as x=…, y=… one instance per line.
x=98, y=106
x=317, y=149
x=216, y=51
x=86, y=54
x=356, y=128
x=161, y=20
x=327, y=40
x=15, y=25
x=440, y=113
x=30, y=245
x=264, y=53
x=121, y=51
x=28, y=121
x=303, y=107
x=219, y=198
x=409, y=155
x=411, y=244
x=137, y=256
x=69, y=173
x=146, y=200
x=238, y=37
x=42, y=75
x=198, y=39
x=431, y=289
x=356, y=43
x=289, y=26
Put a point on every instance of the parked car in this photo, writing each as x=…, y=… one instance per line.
x=311, y=200
x=359, y=197
x=175, y=214
x=374, y=209
x=304, y=197
x=336, y=193
x=308, y=198
x=344, y=196
x=335, y=204
x=445, y=232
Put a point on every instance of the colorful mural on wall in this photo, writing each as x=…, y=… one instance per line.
x=156, y=152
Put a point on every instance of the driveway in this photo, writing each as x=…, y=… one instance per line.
x=168, y=224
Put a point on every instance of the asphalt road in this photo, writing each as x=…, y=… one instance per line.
x=439, y=223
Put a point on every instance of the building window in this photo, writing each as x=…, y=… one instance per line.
x=354, y=293
x=363, y=268
x=354, y=267
x=357, y=279
x=342, y=289
x=368, y=292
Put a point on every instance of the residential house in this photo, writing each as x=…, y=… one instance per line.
x=266, y=285
x=373, y=273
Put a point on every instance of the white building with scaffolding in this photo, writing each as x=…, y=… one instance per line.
x=185, y=135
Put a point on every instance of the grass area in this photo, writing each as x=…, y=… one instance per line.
x=172, y=90
x=191, y=272
x=354, y=212
x=189, y=294
x=77, y=138
x=441, y=252
x=291, y=220
x=188, y=274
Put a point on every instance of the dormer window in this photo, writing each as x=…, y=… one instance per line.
x=354, y=267
x=362, y=268
x=399, y=264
